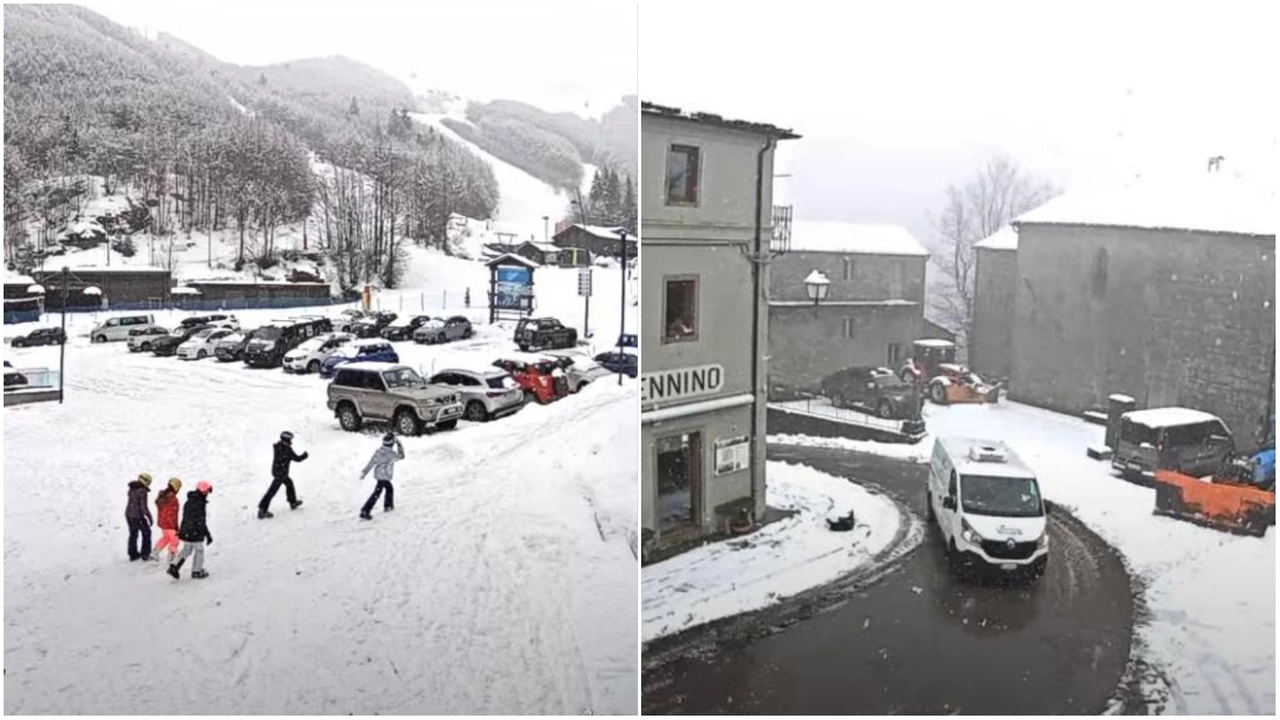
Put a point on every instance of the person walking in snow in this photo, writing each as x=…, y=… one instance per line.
x=284, y=455
x=138, y=516
x=194, y=532
x=167, y=519
x=383, y=465
x=466, y=297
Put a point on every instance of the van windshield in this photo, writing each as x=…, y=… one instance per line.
x=1000, y=496
x=1138, y=434
x=267, y=333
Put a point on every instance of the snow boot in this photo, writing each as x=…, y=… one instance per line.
x=295, y=505
x=199, y=574
x=174, y=568
x=365, y=516
x=263, y=514
x=388, y=508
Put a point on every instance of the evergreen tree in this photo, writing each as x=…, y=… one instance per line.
x=629, y=212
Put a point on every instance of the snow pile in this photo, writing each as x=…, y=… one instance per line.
x=1211, y=595
x=1210, y=202
x=777, y=561
x=1006, y=238
x=918, y=453
x=840, y=237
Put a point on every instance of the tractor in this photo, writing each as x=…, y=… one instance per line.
x=933, y=367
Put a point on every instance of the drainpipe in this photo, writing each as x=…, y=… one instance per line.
x=757, y=258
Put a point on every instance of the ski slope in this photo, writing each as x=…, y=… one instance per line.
x=504, y=582
x=524, y=198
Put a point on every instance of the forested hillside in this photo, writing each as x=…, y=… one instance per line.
x=195, y=143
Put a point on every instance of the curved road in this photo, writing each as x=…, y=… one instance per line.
x=914, y=640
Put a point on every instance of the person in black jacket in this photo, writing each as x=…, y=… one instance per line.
x=280, y=475
x=138, y=516
x=194, y=532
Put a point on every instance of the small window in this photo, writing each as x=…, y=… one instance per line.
x=681, y=310
x=682, y=175
x=848, y=268
x=373, y=381
x=895, y=354
x=850, y=326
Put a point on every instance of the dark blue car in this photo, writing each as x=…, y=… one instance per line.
x=359, y=351
x=619, y=362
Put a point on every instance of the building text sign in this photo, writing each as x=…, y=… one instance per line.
x=681, y=383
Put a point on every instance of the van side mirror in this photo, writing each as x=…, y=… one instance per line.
x=1219, y=439
x=949, y=503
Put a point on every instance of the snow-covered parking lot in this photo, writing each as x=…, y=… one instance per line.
x=504, y=582
x=1209, y=640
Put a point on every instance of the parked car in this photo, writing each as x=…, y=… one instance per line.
x=202, y=344
x=359, y=351
x=41, y=336
x=874, y=390
x=988, y=508
x=13, y=380
x=440, y=331
x=167, y=346
x=231, y=347
x=271, y=342
x=348, y=317
x=544, y=333
x=387, y=392
x=541, y=378
x=371, y=326
x=310, y=355
x=403, y=328
x=619, y=362
x=217, y=319
x=117, y=328
x=1189, y=441
x=579, y=368
x=486, y=395
x=140, y=339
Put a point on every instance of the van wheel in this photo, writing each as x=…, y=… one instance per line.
x=146, y=347
x=407, y=423
x=202, y=355
x=100, y=339
x=476, y=412
x=313, y=366
x=938, y=393
x=349, y=418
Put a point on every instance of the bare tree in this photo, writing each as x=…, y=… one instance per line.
x=996, y=195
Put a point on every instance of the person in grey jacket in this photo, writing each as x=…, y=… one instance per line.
x=383, y=466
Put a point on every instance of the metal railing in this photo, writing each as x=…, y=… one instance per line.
x=37, y=378
x=819, y=406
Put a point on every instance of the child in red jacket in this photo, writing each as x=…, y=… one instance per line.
x=167, y=519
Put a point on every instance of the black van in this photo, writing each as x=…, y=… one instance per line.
x=1189, y=441
x=270, y=342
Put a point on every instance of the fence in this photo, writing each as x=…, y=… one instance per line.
x=37, y=378
x=819, y=406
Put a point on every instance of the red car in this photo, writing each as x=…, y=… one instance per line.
x=541, y=378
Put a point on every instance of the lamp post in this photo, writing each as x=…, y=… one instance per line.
x=622, y=316
x=817, y=284
x=62, y=348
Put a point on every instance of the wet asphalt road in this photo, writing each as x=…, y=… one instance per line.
x=916, y=640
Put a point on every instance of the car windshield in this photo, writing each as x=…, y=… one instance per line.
x=204, y=334
x=500, y=382
x=1000, y=496
x=403, y=377
x=1138, y=433
x=889, y=381
x=267, y=333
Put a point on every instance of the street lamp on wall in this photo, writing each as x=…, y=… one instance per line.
x=817, y=284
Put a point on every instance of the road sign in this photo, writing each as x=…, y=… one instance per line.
x=584, y=282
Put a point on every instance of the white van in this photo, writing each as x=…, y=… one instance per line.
x=117, y=328
x=987, y=505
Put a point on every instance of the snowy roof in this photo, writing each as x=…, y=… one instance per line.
x=272, y=283
x=1208, y=202
x=544, y=246
x=868, y=239
x=121, y=269
x=1006, y=238
x=607, y=233
x=1168, y=417
x=184, y=291
x=675, y=113
x=18, y=279
x=510, y=258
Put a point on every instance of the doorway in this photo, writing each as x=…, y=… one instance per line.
x=679, y=469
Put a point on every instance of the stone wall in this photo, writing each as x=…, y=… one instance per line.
x=806, y=344
x=995, y=291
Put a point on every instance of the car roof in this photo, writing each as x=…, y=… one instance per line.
x=368, y=342
x=371, y=366
x=1168, y=417
x=484, y=373
x=958, y=448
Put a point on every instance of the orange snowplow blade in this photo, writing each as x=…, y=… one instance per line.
x=957, y=393
x=1224, y=506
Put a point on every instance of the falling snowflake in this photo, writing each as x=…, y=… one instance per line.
x=1235, y=295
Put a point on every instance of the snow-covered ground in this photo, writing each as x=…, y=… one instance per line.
x=525, y=199
x=775, y=562
x=1211, y=595
x=504, y=582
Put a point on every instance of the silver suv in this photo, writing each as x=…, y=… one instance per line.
x=487, y=394
x=388, y=392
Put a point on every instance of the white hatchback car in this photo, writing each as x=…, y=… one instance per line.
x=202, y=344
x=310, y=355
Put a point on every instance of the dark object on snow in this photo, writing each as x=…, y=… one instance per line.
x=844, y=523
x=194, y=527
x=284, y=455
x=41, y=336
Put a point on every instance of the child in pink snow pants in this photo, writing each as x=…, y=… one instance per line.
x=167, y=519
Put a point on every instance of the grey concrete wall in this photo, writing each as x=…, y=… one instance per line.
x=806, y=344
x=995, y=291
x=1183, y=318
x=875, y=277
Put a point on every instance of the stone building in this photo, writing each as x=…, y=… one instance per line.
x=1161, y=291
x=706, y=208
x=995, y=285
x=873, y=310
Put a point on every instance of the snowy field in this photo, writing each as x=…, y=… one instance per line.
x=777, y=561
x=504, y=582
x=1211, y=595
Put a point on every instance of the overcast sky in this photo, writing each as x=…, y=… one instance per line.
x=574, y=56
x=896, y=100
